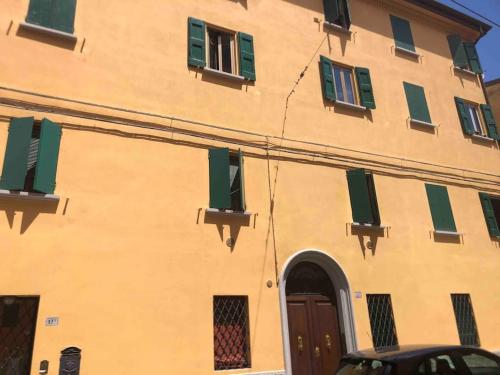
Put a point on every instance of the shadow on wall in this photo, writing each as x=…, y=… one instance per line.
x=234, y=222
x=243, y=3
x=371, y=235
x=46, y=38
x=30, y=209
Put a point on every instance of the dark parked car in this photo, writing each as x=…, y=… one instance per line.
x=421, y=360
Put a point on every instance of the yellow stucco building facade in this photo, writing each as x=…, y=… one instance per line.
x=140, y=257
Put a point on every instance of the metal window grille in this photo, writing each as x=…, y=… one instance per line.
x=17, y=332
x=382, y=320
x=231, y=333
x=466, y=322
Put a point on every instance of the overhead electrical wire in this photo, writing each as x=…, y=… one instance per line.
x=476, y=13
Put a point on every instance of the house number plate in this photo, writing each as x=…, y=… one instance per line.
x=52, y=321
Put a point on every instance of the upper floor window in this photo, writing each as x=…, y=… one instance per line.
x=464, y=54
x=417, y=104
x=440, y=206
x=337, y=13
x=229, y=52
x=403, y=37
x=344, y=84
x=226, y=180
x=363, y=197
x=491, y=210
x=477, y=120
x=53, y=14
x=31, y=156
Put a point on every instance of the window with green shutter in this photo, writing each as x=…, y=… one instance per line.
x=53, y=14
x=417, y=104
x=476, y=119
x=226, y=180
x=219, y=50
x=464, y=54
x=31, y=156
x=440, y=206
x=363, y=198
x=489, y=119
x=346, y=85
x=402, y=34
x=491, y=210
x=337, y=12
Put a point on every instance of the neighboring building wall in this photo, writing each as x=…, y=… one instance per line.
x=493, y=92
x=129, y=260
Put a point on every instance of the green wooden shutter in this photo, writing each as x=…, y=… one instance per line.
x=373, y=198
x=490, y=121
x=458, y=51
x=489, y=215
x=439, y=203
x=470, y=50
x=247, y=56
x=39, y=12
x=15, y=164
x=417, y=104
x=327, y=78
x=365, y=87
x=48, y=155
x=331, y=8
x=402, y=33
x=196, y=42
x=359, y=195
x=220, y=194
x=347, y=13
x=242, y=182
x=63, y=15
x=464, y=115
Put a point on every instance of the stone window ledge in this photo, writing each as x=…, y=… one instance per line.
x=219, y=73
x=216, y=211
x=350, y=105
x=49, y=31
x=336, y=27
x=407, y=52
x=24, y=195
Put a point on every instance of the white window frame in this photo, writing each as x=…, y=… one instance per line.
x=234, y=56
x=355, y=92
x=477, y=121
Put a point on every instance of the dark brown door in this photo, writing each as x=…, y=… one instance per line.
x=315, y=340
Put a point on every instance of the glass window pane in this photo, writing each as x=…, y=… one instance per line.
x=474, y=118
x=349, y=86
x=477, y=362
x=338, y=83
x=226, y=52
x=213, y=46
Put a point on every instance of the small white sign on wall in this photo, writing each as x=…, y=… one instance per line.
x=358, y=294
x=52, y=321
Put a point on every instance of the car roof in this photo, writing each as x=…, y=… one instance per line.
x=404, y=352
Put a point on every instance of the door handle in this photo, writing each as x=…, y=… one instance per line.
x=328, y=340
x=317, y=352
x=300, y=343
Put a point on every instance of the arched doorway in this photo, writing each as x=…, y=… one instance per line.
x=317, y=314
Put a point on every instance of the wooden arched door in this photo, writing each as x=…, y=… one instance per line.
x=313, y=325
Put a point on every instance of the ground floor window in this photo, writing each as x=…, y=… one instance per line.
x=17, y=332
x=231, y=332
x=466, y=322
x=382, y=320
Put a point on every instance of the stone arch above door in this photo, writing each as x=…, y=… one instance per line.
x=342, y=293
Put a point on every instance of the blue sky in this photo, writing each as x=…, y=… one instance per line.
x=489, y=46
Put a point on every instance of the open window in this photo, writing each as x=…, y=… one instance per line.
x=491, y=210
x=219, y=50
x=363, y=197
x=477, y=120
x=464, y=54
x=347, y=85
x=226, y=180
x=337, y=13
x=31, y=156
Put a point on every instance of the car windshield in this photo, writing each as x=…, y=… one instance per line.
x=363, y=367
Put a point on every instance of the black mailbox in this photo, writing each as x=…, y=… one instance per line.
x=70, y=361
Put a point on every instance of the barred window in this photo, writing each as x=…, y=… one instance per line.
x=231, y=332
x=466, y=322
x=382, y=320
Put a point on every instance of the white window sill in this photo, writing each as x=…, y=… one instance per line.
x=368, y=226
x=26, y=195
x=465, y=71
x=407, y=51
x=482, y=138
x=423, y=123
x=216, y=211
x=447, y=233
x=223, y=74
x=336, y=27
x=350, y=105
x=46, y=30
